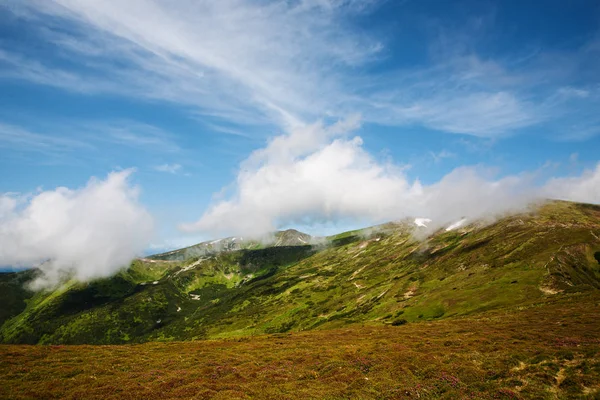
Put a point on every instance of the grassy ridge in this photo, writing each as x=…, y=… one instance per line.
x=542, y=349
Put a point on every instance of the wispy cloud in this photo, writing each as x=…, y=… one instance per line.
x=73, y=140
x=169, y=168
x=229, y=130
x=441, y=155
x=135, y=134
x=461, y=94
x=23, y=140
x=251, y=62
x=285, y=63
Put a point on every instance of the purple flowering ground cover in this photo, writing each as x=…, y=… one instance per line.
x=548, y=349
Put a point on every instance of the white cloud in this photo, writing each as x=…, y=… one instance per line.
x=8, y=203
x=278, y=63
x=85, y=233
x=584, y=188
x=319, y=173
x=169, y=168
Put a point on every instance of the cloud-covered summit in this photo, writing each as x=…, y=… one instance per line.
x=83, y=233
x=321, y=173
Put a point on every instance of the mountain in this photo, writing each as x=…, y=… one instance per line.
x=384, y=275
x=290, y=237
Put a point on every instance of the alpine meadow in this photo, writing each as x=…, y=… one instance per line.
x=299, y=199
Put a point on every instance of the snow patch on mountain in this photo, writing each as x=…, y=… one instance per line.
x=456, y=225
x=422, y=222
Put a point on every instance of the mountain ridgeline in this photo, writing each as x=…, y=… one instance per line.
x=381, y=275
x=290, y=237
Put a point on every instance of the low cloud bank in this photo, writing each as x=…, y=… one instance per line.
x=322, y=173
x=85, y=233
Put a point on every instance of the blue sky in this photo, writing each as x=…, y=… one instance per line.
x=193, y=96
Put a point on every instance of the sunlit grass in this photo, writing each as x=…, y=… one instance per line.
x=546, y=350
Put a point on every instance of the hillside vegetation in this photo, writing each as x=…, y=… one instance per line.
x=549, y=349
x=380, y=276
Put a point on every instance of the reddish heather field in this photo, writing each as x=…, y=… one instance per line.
x=548, y=350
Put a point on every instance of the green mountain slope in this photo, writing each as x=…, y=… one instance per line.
x=380, y=275
x=13, y=294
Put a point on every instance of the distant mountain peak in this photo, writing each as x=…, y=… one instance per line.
x=288, y=237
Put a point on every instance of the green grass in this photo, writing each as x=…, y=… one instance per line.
x=547, y=349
